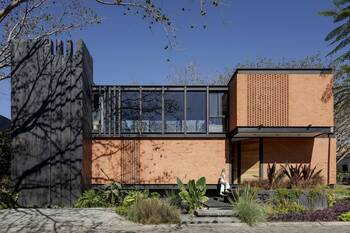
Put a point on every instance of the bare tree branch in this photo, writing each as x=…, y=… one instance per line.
x=10, y=7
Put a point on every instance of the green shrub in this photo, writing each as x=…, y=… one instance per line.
x=341, y=192
x=288, y=194
x=153, y=211
x=345, y=217
x=132, y=197
x=91, y=198
x=173, y=198
x=122, y=210
x=247, y=207
x=274, y=176
x=341, y=176
x=284, y=206
x=194, y=197
x=113, y=194
x=8, y=200
x=5, y=154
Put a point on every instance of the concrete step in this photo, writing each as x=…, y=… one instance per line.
x=190, y=219
x=215, y=212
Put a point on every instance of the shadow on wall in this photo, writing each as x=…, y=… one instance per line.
x=291, y=150
x=50, y=105
x=120, y=161
x=157, y=161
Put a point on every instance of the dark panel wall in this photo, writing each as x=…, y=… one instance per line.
x=51, y=110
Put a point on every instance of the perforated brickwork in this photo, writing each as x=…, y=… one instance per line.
x=267, y=99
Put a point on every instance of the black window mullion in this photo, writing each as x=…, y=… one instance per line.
x=207, y=115
x=119, y=111
x=114, y=110
x=109, y=111
x=139, y=123
x=163, y=119
x=185, y=111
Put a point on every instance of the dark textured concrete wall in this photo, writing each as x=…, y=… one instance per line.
x=51, y=111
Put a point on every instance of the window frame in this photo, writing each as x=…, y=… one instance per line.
x=116, y=112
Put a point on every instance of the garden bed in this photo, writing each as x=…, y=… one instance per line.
x=328, y=214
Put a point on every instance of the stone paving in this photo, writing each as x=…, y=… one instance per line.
x=105, y=220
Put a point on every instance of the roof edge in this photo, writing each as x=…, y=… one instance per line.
x=282, y=70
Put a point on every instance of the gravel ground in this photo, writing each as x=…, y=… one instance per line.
x=105, y=220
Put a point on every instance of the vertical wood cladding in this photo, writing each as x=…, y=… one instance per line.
x=51, y=110
x=267, y=99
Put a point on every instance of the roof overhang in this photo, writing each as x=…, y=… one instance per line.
x=253, y=132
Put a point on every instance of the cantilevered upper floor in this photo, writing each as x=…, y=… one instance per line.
x=255, y=103
x=280, y=102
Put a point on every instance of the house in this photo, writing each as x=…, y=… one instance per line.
x=5, y=123
x=69, y=134
x=152, y=134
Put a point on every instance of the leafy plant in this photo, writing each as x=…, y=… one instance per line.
x=8, y=200
x=310, y=173
x=341, y=192
x=132, y=197
x=91, y=198
x=302, y=175
x=287, y=206
x=294, y=173
x=194, y=197
x=342, y=176
x=328, y=214
x=247, y=207
x=5, y=153
x=274, y=176
x=286, y=201
x=153, y=211
x=173, y=198
x=345, y=217
x=113, y=193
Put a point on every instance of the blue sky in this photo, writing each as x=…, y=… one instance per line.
x=125, y=51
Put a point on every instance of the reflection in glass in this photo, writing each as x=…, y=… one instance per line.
x=217, y=112
x=174, y=111
x=151, y=111
x=196, y=111
x=130, y=111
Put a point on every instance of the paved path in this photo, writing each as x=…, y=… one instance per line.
x=105, y=220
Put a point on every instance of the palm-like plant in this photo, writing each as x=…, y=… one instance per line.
x=310, y=173
x=340, y=36
x=274, y=176
x=340, y=39
x=294, y=173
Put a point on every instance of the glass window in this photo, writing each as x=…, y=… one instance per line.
x=151, y=111
x=217, y=112
x=97, y=112
x=130, y=111
x=174, y=111
x=196, y=111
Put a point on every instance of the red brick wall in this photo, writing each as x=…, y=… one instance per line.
x=158, y=161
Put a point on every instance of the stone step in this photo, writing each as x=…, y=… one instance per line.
x=190, y=219
x=215, y=212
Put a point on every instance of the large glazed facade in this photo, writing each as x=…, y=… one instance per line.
x=75, y=134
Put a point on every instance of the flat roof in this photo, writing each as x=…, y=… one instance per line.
x=282, y=70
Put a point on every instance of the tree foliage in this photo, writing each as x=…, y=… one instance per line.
x=191, y=73
x=339, y=39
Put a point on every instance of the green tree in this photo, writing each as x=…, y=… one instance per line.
x=339, y=39
x=191, y=73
